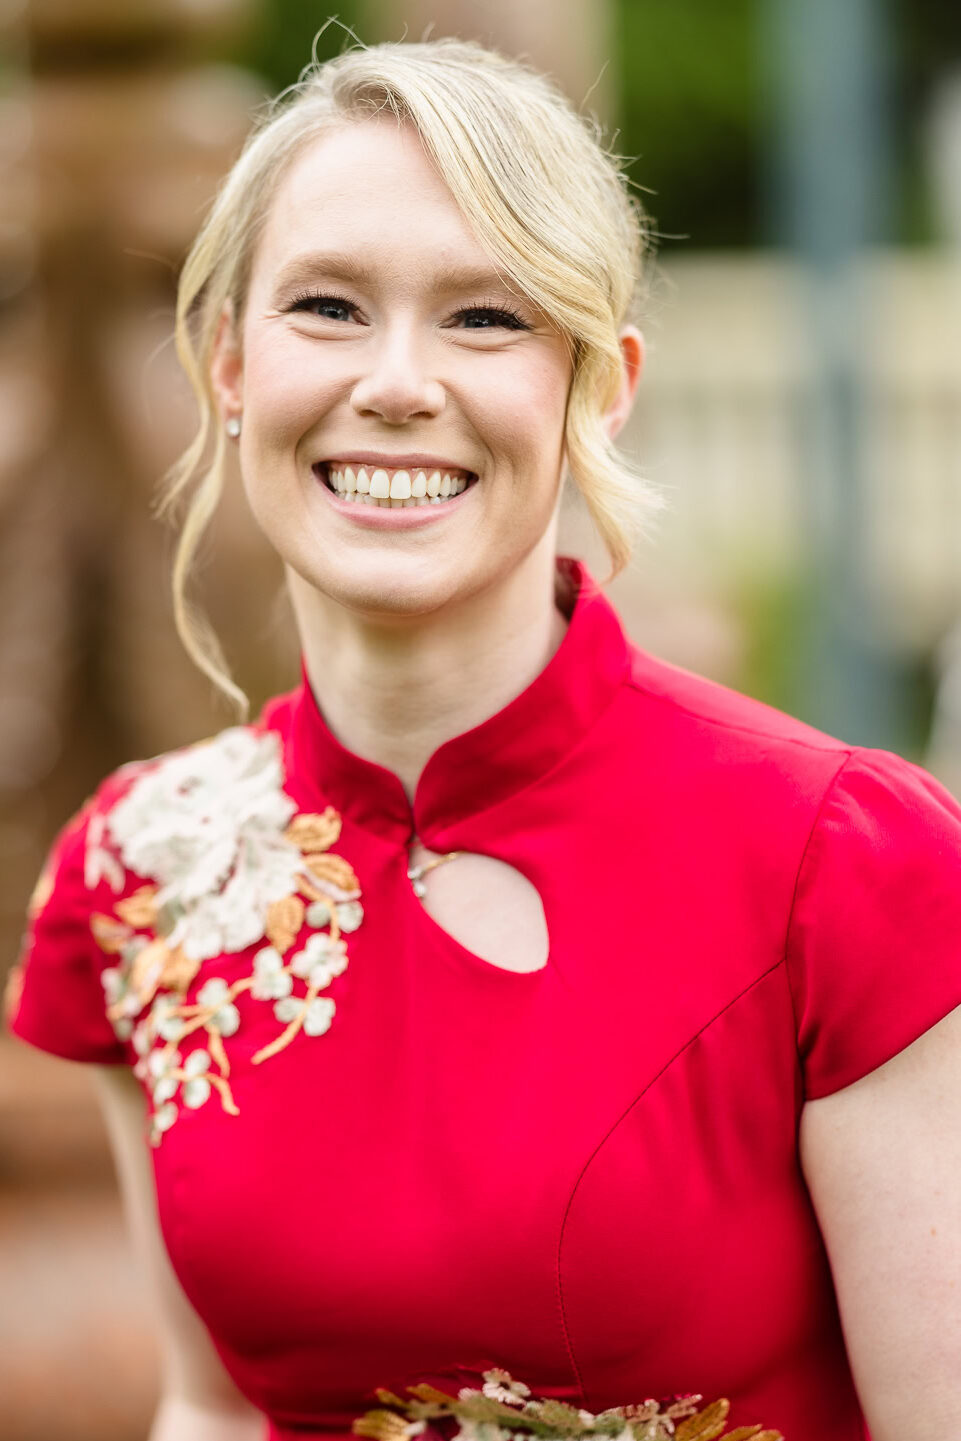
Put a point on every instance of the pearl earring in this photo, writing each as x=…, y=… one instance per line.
x=233, y=427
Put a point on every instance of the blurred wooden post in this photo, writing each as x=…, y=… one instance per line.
x=114, y=131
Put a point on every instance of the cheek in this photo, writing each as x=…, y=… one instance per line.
x=286, y=387
x=524, y=410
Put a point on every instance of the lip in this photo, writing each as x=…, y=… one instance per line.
x=419, y=461
x=378, y=517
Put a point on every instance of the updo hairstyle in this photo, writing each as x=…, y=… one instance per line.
x=544, y=197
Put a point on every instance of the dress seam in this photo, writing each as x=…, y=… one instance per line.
x=828, y=793
x=770, y=735
x=603, y=1142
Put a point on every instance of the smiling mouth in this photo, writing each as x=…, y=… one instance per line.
x=393, y=489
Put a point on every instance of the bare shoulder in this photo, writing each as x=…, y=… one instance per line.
x=882, y=1161
x=192, y=1370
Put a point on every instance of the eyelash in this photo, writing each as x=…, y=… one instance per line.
x=513, y=320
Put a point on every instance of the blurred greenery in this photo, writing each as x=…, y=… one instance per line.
x=282, y=43
x=688, y=79
x=691, y=114
x=774, y=613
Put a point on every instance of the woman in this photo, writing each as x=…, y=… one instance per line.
x=503, y=996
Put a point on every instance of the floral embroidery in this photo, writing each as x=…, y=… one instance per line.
x=99, y=864
x=231, y=864
x=504, y=1410
x=271, y=977
x=315, y=1015
x=209, y=825
x=500, y=1386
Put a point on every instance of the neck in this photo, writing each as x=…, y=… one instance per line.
x=392, y=693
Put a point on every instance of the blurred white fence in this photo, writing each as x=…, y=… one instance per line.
x=719, y=426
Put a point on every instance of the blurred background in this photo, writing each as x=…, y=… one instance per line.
x=801, y=411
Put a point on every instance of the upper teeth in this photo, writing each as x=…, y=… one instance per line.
x=403, y=487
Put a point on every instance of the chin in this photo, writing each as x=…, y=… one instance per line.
x=387, y=588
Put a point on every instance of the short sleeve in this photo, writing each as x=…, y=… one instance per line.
x=55, y=995
x=874, y=945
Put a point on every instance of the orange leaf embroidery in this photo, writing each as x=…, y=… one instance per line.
x=147, y=969
x=111, y=935
x=314, y=832
x=707, y=1424
x=284, y=920
x=178, y=971
x=332, y=868
x=313, y=893
x=140, y=908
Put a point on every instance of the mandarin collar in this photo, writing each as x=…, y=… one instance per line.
x=486, y=764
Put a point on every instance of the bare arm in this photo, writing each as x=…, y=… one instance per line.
x=882, y=1159
x=199, y=1401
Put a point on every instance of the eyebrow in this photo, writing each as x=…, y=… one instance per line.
x=340, y=265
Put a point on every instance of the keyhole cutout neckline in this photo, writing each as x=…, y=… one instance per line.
x=482, y=767
x=486, y=906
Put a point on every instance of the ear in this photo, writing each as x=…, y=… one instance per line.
x=227, y=367
x=632, y=363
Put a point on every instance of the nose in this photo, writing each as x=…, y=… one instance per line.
x=396, y=386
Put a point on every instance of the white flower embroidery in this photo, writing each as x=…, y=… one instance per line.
x=121, y=1000
x=117, y=998
x=98, y=863
x=226, y=1017
x=208, y=825
x=271, y=980
x=350, y=914
x=165, y=1022
x=163, y=1084
x=320, y=960
x=197, y=1089
x=482, y=1431
x=166, y=1071
x=317, y=1013
x=500, y=1386
x=114, y=984
x=318, y=914
x=161, y=1120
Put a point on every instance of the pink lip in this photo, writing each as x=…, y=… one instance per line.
x=395, y=462
x=383, y=517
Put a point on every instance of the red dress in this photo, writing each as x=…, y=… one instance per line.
x=379, y=1157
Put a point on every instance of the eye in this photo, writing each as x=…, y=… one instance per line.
x=492, y=316
x=323, y=306
x=476, y=317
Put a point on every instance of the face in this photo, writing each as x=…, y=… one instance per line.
x=379, y=348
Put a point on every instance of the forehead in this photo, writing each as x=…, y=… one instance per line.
x=367, y=188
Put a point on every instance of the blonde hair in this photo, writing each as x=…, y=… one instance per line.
x=533, y=180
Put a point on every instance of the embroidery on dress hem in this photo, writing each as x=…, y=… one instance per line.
x=231, y=863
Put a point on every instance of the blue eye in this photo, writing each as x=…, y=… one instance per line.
x=496, y=315
x=319, y=303
x=492, y=317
